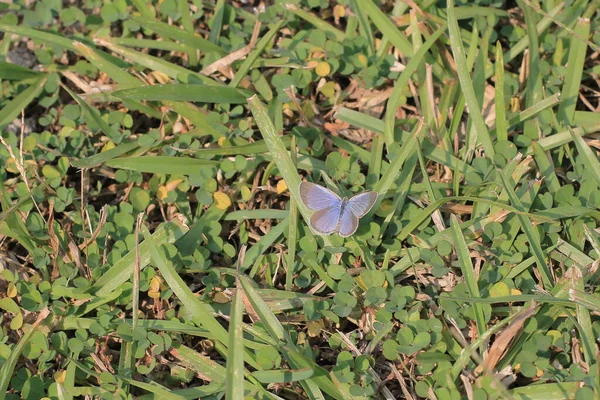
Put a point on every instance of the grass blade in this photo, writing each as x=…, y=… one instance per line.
x=156, y=64
x=241, y=215
x=260, y=47
x=481, y=130
x=200, y=315
x=320, y=378
x=8, y=367
x=280, y=156
x=589, y=157
x=122, y=270
x=94, y=114
x=501, y=125
x=12, y=110
x=546, y=168
x=185, y=37
x=15, y=72
x=386, y=27
x=100, y=158
x=532, y=237
x=234, y=383
x=283, y=375
x=466, y=266
x=533, y=89
x=161, y=164
x=317, y=22
x=293, y=232
x=186, y=92
x=574, y=72
x=411, y=67
x=263, y=244
x=389, y=176
x=217, y=24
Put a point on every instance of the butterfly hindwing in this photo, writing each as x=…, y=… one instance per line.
x=326, y=221
x=348, y=222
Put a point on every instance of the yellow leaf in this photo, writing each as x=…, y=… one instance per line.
x=161, y=76
x=35, y=279
x=317, y=53
x=109, y=145
x=11, y=166
x=16, y=322
x=245, y=193
x=314, y=328
x=221, y=298
x=154, y=284
x=281, y=186
x=60, y=376
x=222, y=201
x=29, y=143
x=312, y=64
x=339, y=11
x=328, y=89
x=363, y=60
x=323, y=68
x=360, y=283
x=515, y=104
x=50, y=172
x=499, y=289
x=223, y=142
x=386, y=207
x=12, y=290
x=162, y=192
x=154, y=287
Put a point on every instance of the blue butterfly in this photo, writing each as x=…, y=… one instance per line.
x=332, y=213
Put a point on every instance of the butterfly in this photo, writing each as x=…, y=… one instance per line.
x=331, y=212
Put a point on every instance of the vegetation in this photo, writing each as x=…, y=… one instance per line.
x=154, y=244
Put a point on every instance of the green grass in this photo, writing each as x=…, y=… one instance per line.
x=153, y=241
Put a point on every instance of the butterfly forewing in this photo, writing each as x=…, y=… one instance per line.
x=317, y=198
x=362, y=203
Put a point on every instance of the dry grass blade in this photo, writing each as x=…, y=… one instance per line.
x=503, y=340
x=224, y=63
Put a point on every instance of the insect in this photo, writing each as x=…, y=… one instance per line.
x=332, y=213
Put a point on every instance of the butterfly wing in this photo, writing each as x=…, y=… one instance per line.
x=355, y=208
x=348, y=222
x=325, y=221
x=362, y=203
x=318, y=198
x=327, y=206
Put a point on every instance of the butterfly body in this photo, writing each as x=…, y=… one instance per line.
x=333, y=213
